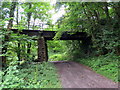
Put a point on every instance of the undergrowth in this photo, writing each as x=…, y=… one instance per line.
x=106, y=65
x=35, y=75
x=58, y=57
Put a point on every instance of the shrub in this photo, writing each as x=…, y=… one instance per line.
x=35, y=75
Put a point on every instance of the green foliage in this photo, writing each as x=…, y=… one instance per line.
x=17, y=44
x=34, y=75
x=39, y=10
x=106, y=65
x=56, y=46
x=58, y=35
x=57, y=50
x=58, y=57
x=99, y=20
x=14, y=50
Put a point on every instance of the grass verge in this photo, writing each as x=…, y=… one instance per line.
x=106, y=65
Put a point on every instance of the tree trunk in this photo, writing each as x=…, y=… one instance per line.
x=19, y=51
x=28, y=20
x=7, y=36
x=106, y=10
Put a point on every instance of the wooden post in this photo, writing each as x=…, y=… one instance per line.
x=42, y=50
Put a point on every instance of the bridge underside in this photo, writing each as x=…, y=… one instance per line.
x=49, y=35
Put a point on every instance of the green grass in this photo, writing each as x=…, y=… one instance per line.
x=34, y=75
x=106, y=65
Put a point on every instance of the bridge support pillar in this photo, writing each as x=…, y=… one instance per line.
x=42, y=50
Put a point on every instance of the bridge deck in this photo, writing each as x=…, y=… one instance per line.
x=49, y=35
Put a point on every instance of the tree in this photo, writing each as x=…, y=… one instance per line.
x=98, y=20
x=9, y=26
x=16, y=46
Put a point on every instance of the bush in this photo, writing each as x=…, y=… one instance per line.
x=30, y=76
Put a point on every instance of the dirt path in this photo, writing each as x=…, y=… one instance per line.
x=74, y=75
